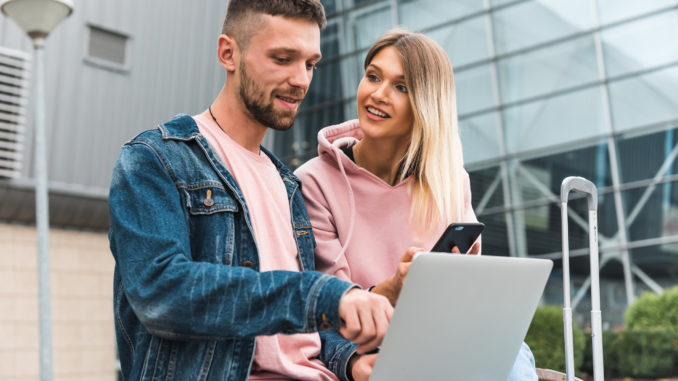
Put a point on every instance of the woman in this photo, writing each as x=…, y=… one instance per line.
x=391, y=180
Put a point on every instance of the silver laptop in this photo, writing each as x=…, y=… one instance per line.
x=461, y=317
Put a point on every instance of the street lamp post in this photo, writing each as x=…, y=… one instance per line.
x=37, y=18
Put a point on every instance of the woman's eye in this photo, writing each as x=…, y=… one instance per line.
x=372, y=78
x=402, y=88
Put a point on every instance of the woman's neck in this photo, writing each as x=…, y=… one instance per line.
x=382, y=158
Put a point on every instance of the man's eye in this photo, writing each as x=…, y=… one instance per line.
x=281, y=60
x=311, y=66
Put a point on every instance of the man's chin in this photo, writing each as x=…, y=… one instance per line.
x=284, y=122
x=282, y=126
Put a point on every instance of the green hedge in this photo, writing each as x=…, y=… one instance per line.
x=546, y=340
x=641, y=353
x=652, y=311
x=647, y=348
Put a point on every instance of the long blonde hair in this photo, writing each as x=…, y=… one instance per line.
x=434, y=157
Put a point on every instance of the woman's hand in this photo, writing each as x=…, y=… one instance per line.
x=474, y=250
x=391, y=287
x=361, y=366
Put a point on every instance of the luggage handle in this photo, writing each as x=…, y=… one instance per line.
x=581, y=185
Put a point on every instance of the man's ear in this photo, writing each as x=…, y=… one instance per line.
x=228, y=52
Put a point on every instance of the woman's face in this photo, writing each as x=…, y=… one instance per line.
x=384, y=108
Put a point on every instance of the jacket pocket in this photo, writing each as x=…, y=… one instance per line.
x=212, y=213
x=203, y=199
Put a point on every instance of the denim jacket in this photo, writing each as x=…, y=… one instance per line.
x=188, y=297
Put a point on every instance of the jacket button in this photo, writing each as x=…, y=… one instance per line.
x=208, y=201
x=325, y=324
x=248, y=264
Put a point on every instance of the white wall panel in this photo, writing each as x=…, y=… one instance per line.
x=92, y=111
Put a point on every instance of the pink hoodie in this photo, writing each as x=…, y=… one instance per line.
x=361, y=224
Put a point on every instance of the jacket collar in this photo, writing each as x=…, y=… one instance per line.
x=183, y=127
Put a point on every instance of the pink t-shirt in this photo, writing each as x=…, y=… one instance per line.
x=277, y=357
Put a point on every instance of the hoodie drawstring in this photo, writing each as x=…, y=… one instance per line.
x=351, y=204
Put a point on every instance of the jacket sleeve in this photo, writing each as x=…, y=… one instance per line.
x=336, y=352
x=178, y=298
x=330, y=257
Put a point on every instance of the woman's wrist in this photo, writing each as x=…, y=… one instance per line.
x=387, y=289
x=349, y=365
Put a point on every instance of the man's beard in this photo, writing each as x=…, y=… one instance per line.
x=253, y=96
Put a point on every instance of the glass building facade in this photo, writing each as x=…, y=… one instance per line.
x=545, y=89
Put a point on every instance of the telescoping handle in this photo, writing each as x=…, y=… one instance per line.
x=580, y=184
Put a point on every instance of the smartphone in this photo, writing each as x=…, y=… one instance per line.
x=462, y=235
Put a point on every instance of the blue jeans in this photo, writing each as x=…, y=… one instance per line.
x=523, y=368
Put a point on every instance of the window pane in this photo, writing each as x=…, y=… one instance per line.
x=550, y=69
x=327, y=84
x=641, y=44
x=330, y=6
x=542, y=229
x=535, y=22
x=474, y=89
x=330, y=40
x=494, y=237
x=486, y=188
x=351, y=109
x=107, y=45
x=479, y=138
x=464, y=42
x=353, y=73
x=419, y=14
x=540, y=178
x=500, y=2
x=641, y=157
x=651, y=212
x=646, y=99
x=543, y=225
x=553, y=121
x=368, y=26
x=660, y=262
x=616, y=10
x=300, y=143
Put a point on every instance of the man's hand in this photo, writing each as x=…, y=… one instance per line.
x=361, y=366
x=391, y=287
x=366, y=316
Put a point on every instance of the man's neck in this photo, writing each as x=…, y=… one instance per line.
x=231, y=116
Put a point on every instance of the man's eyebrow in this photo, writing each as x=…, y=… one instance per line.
x=294, y=52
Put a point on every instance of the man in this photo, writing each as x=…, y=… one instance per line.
x=209, y=231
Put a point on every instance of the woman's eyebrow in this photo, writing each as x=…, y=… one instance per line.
x=375, y=66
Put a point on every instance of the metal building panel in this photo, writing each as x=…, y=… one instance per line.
x=91, y=110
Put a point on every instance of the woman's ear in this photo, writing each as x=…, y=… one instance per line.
x=228, y=51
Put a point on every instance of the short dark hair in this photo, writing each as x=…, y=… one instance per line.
x=242, y=15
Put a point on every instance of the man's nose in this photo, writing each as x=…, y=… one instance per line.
x=301, y=76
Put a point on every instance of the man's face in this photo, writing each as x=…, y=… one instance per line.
x=277, y=68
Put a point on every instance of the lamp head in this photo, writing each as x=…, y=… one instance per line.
x=37, y=17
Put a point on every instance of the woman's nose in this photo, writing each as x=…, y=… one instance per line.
x=379, y=94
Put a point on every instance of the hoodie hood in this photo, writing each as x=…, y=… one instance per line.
x=333, y=138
